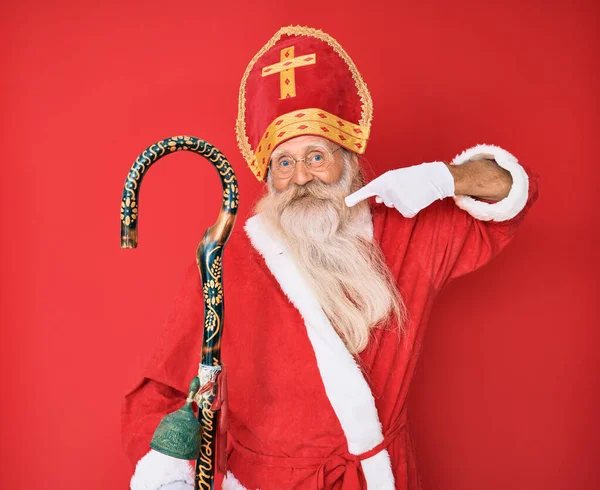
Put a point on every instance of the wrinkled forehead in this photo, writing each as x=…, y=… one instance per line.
x=302, y=144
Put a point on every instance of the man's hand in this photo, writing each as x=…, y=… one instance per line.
x=408, y=189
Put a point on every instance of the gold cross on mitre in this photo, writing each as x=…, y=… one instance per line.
x=286, y=69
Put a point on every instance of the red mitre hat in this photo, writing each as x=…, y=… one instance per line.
x=301, y=82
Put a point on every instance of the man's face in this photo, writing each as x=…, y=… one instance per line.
x=298, y=148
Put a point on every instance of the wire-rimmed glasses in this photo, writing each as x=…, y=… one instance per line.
x=317, y=159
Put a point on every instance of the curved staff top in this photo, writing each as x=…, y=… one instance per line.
x=179, y=434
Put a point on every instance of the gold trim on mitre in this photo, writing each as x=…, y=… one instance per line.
x=308, y=122
x=355, y=140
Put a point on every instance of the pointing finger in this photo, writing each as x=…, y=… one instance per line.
x=360, y=195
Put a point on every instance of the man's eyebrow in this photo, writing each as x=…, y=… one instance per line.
x=315, y=146
x=278, y=153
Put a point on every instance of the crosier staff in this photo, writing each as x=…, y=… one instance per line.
x=179, y=434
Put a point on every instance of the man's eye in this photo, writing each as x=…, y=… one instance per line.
x=284, y=163
x=316, y=158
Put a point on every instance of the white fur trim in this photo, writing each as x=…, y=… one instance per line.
x=230, y=482
x=345, y=385
x=156, y=469
x=512, y=204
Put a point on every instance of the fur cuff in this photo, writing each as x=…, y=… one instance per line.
x=230, y=482
x=155, y=470
x=512, y=204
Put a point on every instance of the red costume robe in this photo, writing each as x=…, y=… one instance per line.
x=304, y=413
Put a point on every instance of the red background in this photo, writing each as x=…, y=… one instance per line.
x=506, y=392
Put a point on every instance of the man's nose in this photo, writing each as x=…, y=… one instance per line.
x=302, y=175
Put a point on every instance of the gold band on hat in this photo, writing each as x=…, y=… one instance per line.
x=308, y=122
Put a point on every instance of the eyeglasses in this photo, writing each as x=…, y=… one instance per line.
x=284, y=165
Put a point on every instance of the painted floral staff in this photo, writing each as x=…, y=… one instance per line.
x=179, y=434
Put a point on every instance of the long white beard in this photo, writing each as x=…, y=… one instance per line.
x=334, y=251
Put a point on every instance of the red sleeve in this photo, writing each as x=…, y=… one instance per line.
x=143, y=409
x=460, y=243
x=163, y=387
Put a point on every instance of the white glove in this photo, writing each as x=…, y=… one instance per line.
x=177, y=485
x=158, y=471
x=408, y=189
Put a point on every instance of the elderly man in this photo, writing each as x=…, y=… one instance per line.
x=328, y=295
